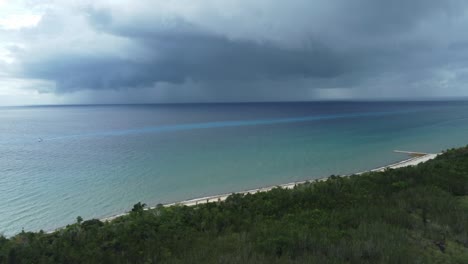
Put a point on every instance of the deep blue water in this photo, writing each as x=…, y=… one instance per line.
x=59, y=162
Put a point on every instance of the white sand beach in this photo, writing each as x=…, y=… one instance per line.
x=417, y=158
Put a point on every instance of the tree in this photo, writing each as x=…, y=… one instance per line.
x=138, y=208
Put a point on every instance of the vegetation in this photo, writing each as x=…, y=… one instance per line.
x=408, y=215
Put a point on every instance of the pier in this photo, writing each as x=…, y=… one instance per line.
x=412, y=153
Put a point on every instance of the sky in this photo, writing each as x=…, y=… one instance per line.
x=166, y=51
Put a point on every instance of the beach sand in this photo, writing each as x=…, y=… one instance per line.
x=416, y=159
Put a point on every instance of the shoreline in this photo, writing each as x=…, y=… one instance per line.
x=415, y=159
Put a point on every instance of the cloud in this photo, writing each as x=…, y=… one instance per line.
x=178, y=57
x=174, y=51
x=244, y=50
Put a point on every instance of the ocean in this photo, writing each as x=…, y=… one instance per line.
x=60, y=162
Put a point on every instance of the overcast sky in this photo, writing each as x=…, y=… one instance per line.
x=151, y=51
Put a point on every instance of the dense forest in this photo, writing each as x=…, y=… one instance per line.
x=408, y=215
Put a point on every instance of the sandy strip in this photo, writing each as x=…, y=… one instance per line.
x=221, y=197
x=410, y=162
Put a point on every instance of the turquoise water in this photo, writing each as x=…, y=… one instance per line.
x=57, y=163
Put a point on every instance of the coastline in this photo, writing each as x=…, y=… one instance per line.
x=415, y=159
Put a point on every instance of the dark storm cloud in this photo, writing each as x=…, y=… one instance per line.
x=330, y=44
x=182, y=55
x=387, y=17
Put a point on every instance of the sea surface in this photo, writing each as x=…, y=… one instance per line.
x=60, y=162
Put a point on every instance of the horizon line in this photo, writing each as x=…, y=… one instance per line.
x=363, y=100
